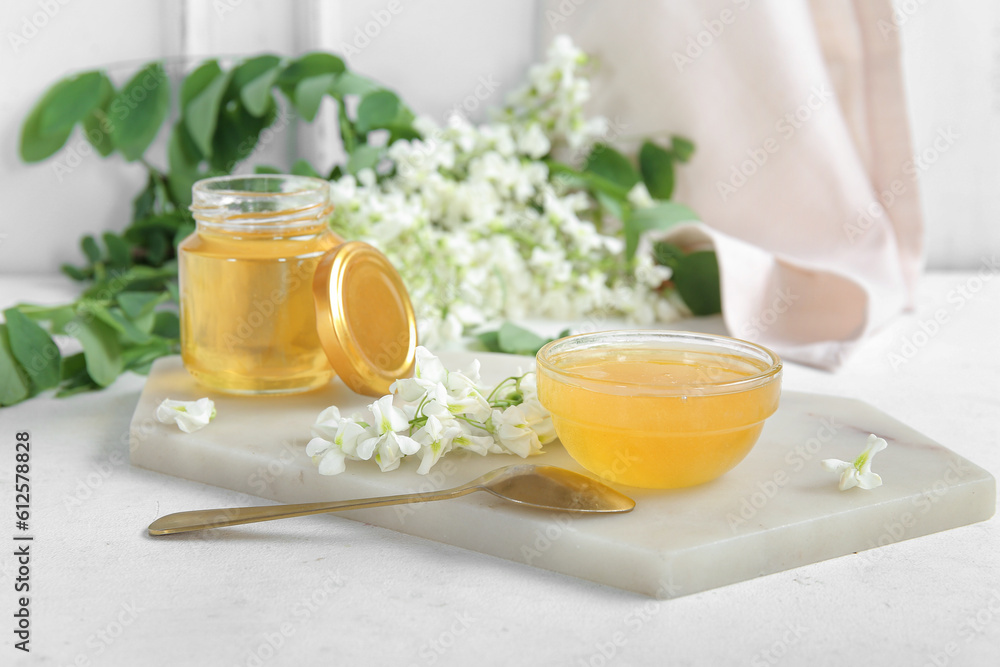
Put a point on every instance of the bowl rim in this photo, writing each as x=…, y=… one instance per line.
x=545, y=361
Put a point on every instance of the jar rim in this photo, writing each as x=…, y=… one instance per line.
x=261, y=202
x=307, y=184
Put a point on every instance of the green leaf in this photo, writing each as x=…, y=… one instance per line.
x=73, y=272
x=266, y=169
x=157, y=247
x=37, y=145
x=617, y=207
x=80, y=384
x=657, y=167
x=73, y=365
x=42, y=313
x=513, y=339
x=303, y=168
x=90, y=249
x=76, y=380
x=101, y=350
x=681, y=147
x=142, y=205
x=136, y=304
x=119, y=251
x=198, y=80
x=132, y=332
x=490, y=340
x=309, y=94
x=139, y=358
x=14, y=386
x=697, y=281
x=570, y=177
x=608, y=163
x=184, y=231
x=201, y=110
x=184, y=160
x=72, y=100
x=138, y=110
x=380, y=110
x=237, y=136
x=175, y=295
x=667, y=254
x=60, y=318
x=256, y=94
x=662, y=216
x=364, y=157
x=167, y=325
x=309, y=65
x=251, y=69
x=33, y=348
x=349, y=83
x=95, y=125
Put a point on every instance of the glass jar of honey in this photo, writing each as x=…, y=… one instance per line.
x=273, y=302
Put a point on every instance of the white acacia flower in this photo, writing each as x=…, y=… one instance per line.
x=189, y=416
x=859, y=472
x=468, y=440
x=538, y=420
x=390, y=450
x=514, y=433
x=383, y=438
x=327, y=455
x=435, y=438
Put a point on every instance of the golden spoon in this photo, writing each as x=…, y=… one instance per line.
x=545, y=487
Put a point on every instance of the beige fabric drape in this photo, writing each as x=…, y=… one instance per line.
x=803, y=175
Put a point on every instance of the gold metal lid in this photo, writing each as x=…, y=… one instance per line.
x=364, y=318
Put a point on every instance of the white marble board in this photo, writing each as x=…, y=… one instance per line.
x=776, y=510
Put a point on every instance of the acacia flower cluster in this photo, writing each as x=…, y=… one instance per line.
x=431, y=414
x=481, y=230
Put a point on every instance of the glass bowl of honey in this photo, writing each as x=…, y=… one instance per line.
x=658, y=409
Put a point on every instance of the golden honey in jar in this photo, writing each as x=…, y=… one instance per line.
x=248, y=318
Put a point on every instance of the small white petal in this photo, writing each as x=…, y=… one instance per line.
x=332, y=462
x=326, y=430
x=849, y=479
x=317, y=446
x=869, y=480
x=836, y=465
x=331, y=414
x=366, y=447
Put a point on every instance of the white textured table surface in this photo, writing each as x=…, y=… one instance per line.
x=341, y=592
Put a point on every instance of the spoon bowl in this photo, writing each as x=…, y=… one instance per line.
x=552, y=488
x=542, y=487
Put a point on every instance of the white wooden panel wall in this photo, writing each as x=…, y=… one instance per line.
x=436, y=53
x=951, y=56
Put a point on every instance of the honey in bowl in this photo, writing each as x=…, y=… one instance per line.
x=658, y=409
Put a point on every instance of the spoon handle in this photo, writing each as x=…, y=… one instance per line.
x=184, y=522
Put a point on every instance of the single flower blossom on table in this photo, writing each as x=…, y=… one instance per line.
x=189, y=416
x=859, y=472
